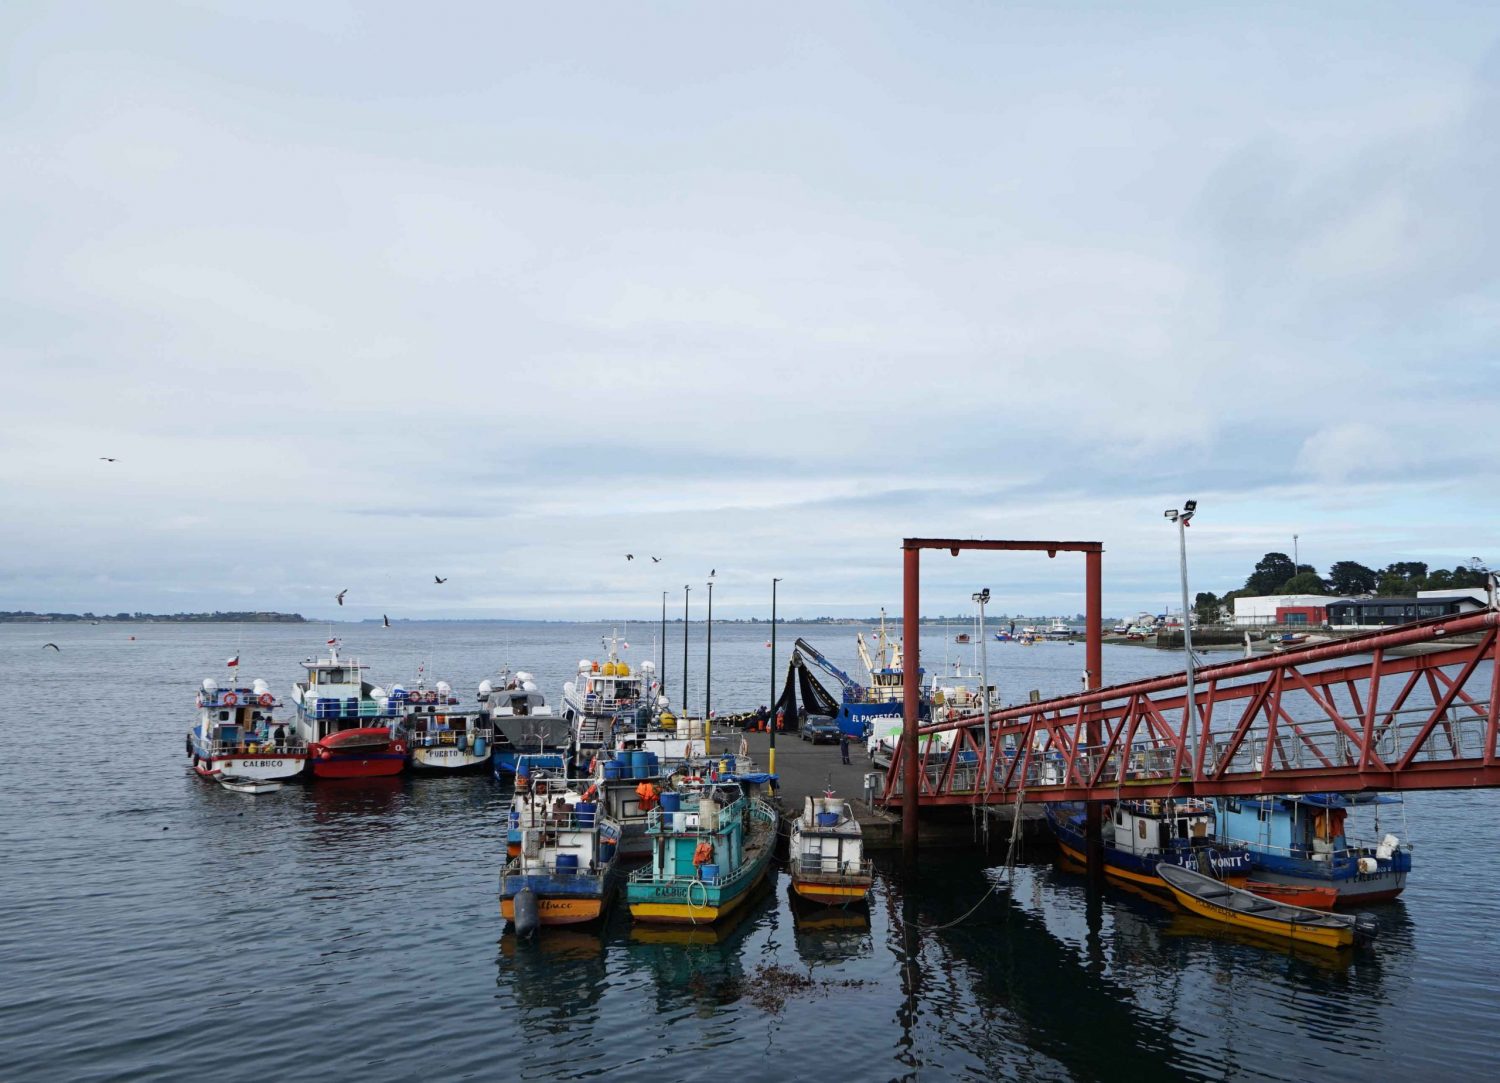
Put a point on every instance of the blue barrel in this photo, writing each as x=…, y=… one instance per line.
x=709, y=872
x=671, y=802
x=606, y=852
x=611, y=771
x=583, y=813
x=523, y=769
x=567, y=864
x=652, y=765
x=828, y=819
x=624, y=755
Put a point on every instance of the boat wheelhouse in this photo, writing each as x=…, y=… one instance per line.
x=564, y=873
x=1140, y=835
x=827, y=853
x=237, y=737
x=710, y=846
x=440, y=736
x=605, y=697
x=523, y=723
x=1303, y=840
x=350, y=727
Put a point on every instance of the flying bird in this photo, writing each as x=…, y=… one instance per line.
x=341, y=595
x=656, y=560
x=629, y=556
x=711, y=572
x=386, y=619
x=54, y=646
x=107, y=459
x=439, y=579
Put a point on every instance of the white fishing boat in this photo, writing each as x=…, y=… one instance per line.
x=564, y=872
x=827, y=853
x=351, y=728
x=237, y=735
x=605, y=698
x=441, y=736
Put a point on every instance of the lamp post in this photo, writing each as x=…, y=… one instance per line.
x=1190, y=708
x=1296, y=557
x=708, y=673
x=686, y=590
x=772, y=765
x=661, y=677
x=983, y=597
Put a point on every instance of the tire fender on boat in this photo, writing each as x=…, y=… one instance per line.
x=526, y=918
x=230, y=699
x=266, y=699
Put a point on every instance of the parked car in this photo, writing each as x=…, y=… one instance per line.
x=820, y=727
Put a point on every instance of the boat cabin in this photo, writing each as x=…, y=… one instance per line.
x=1143, y=828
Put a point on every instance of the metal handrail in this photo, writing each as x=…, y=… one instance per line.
x=291, y=746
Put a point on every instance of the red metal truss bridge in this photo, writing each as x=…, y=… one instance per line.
x=1409, y=708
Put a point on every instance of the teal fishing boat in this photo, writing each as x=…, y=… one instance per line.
x=709, y=847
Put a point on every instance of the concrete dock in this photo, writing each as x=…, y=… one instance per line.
x=805, y=770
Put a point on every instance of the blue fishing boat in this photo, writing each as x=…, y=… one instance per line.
x=710, y=846
x=1138, y=836
x=564, y=873
x=881, y=698
x=1301, y=840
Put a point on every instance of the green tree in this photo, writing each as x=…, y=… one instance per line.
x=1402, y=577
x=1352, y=577
x=1271, y=571
x=1206, y=606
x=1304, y=583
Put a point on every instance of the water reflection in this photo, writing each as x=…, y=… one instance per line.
x=829, y=934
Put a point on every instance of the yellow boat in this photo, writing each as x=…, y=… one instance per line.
x=1217, y=901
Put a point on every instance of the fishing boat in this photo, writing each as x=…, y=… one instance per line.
x=351, y=728
x=565, y=871
x=1211, y=898
x=877, y=700
x=1301, y=840
x=710, y=846
x=962, y=637
x=1139, y=836
x=523, y=723
x=441, y=737
x=827, y=853
x=237, y=735
x=604, y=698
x=628, y=783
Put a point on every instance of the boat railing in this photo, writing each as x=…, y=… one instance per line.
x=448, y=738
x=291, y=746
x=1353, y=851
x=813, y=864
x=523, y=866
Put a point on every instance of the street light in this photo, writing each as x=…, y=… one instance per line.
x=686, y=590
x=771, y=767
x=661, y=677
x=983, y=597
x=1190, y=710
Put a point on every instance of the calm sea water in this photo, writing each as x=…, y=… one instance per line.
x=160, y=927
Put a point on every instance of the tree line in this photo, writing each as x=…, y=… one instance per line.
x=1275, y=573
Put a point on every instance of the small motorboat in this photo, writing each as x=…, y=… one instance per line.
x=241, y=784
x=1304, y=895
x=1213, y=899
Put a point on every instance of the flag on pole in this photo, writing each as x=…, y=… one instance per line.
x=331, y=642
x=624, y=645
x=233, y=661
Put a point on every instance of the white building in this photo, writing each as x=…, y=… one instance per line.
x=1282, y=609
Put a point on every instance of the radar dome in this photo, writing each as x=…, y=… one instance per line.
x=523, y=676
x=260, y=686
x=485, y=688
x=584, y=665
x=377, y=692
x=528, y=686
x=444, y=687
x=210, y=685
x=647, y=666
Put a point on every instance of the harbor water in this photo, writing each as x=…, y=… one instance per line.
x=160, y=927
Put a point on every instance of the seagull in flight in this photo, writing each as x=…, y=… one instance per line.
x=629, y=556
x=54, y=646
x=107, y=459
x=711, y=572
x=656, y=560
x=439, y=580
x=341, y=594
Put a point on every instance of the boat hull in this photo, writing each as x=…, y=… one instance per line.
x=1289, y=932
x=273, y=768
x=693, y=903
x=1309, y=898
x=447, y=760
x=560, y=900
x=370, y=752
x=1354, y=890
x=843, y=891
x=1140, y=871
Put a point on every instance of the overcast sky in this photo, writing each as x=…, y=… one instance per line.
x=359, y=294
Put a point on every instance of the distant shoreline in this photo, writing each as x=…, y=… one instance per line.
x=238, y=617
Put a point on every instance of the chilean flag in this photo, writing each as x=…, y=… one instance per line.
x=331, y=642
x=233, y=661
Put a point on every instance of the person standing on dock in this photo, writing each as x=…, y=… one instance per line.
x=844, y=746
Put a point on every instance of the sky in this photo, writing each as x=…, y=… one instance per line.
x=361, y=294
